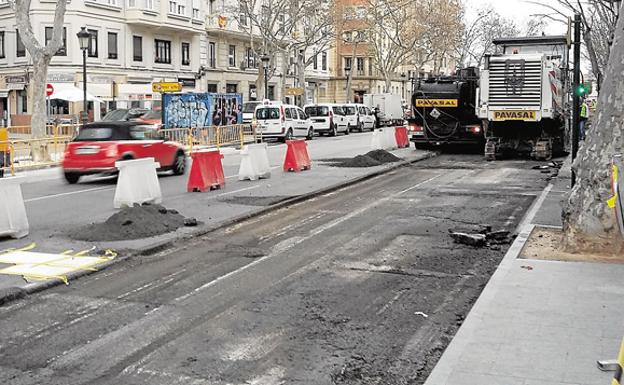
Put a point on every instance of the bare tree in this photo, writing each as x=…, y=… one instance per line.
x=598, y=18
x=285, y=29
x=41, y=55
x=587, y=219
x=478, y=38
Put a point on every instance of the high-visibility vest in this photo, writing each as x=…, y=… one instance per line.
x=584, y=110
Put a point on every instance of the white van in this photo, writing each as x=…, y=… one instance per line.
x=249, y=108
x=359, y=117
x=282, y=121
x=327, y=118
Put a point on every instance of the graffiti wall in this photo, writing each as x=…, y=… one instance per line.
x=198, y=110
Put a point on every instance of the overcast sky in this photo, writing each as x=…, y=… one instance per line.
x=518, y=10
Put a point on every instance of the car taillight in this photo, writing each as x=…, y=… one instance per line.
x=112, y=151
x=416, y=128
x=473, y=129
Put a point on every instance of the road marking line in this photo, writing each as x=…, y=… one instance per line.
x=530, y=215
x=292, y=242
x=235, y=191
x=236, y=176
x=68, y=193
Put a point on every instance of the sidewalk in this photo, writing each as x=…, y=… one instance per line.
x=542, y=326
x=54, y=207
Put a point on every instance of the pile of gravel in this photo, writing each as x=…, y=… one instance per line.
x=370, y=159
x=140, y=221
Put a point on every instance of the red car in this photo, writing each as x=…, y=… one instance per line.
x=99, y=145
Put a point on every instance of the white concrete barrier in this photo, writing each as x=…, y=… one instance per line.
x=389, y=138
x=13, y=219
x=376, y=139
x=254, y=162
x=137, y=182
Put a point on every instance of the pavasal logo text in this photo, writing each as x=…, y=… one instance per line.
x=436, y=102
x=515, y=115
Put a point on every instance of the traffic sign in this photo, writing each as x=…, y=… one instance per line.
x=166, y=87
x=294, y=91
x=49, y=89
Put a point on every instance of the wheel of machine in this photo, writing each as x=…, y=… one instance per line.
x=179, y=164
x=72, y=177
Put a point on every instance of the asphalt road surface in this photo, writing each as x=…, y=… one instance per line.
x=359, y=286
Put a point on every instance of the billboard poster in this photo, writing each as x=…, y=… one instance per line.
x=199, y=110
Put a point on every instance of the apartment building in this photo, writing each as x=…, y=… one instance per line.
x=133, y=43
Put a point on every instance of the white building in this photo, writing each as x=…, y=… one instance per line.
x=134, y=43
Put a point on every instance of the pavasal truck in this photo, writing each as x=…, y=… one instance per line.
x=443, y=111
x=524, y=96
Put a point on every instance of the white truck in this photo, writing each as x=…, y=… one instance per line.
x=523, y=97
x=389, y=108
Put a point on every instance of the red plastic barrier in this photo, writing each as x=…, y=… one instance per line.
x=400, y=134
x=297, y=158
x=206, y=171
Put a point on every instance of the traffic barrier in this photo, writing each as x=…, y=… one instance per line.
x=617, y=187
x=618, y=377
x=13, y=219
x=400, y=135
x=376, y=140
x=206, y=171
x=389, y=140
x=297, y=158
x=254, y=162
x=137, y=182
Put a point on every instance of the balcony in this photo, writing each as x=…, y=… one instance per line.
x=163, y=21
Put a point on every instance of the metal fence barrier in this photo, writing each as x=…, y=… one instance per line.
x=212, y=136
x=23, y=154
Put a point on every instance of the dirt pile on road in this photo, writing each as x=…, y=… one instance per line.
x=134, y=223
x=370, y=159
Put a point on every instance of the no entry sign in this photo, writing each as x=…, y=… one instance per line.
x=49, y=90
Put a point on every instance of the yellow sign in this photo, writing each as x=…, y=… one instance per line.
x=222, y=21
x=294, y=91
x=515, y=115
x=166, y=87
x=436, y=102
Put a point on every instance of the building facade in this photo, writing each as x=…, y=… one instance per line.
x=135, y=43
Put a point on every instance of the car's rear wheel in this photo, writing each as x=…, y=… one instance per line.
x=348, y=130
x=179, y=164
x=72, y=177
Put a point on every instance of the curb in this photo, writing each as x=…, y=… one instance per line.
x=440, y=373
x=13, y=293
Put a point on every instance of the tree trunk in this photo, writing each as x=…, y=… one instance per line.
x=388, y=80
x=591, y=52
x=587, y=220
x=284, y=70
x=301, y=66
x=38, y=84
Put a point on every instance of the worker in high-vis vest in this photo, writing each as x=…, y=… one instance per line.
x=583, y=121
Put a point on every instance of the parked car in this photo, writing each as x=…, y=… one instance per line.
x=282, y=121
x=327, y=118
x=248, y=111
x=123, y=114
x=99, y=145
x=359, y=117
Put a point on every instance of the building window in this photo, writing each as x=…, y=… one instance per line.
x=2, y=55
x=315, y=62
x=92, y=51
x=181, y=10
x=370, y=67
x=137, y=48
x=149, y=4
x=348, y=63
x=131, y=3
x=22, y=102
x=232, y=56
x=211, y=7
x=360, y=66
x=324, y=61
x=244, y=10
x=186, y=54
x=212, y=88
x=20, y=50
x=173, y=6
x=251, y=59
x=231, y=88
x=112, y=45
x=212, y=55
x=48, y=36
x=163, y=51
x=196, y=14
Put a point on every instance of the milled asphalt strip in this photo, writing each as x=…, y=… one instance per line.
x=294, y=241
x=445, y=366
x=14, y=293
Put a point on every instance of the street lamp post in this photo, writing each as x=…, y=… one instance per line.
x=265, y=68
x=347, y=71
x=83, y=40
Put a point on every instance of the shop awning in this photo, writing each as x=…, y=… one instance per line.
x=135, y=89
x=73, y=94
